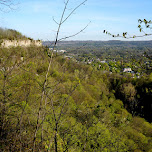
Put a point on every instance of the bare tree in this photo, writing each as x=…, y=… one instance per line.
x=7, y=5
x=45, y=96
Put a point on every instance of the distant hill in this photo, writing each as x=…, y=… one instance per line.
x=113, y=43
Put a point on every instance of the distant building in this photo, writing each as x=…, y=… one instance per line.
x=59, y=51
x=89, y=62
x=127, y=70
x=103, y=61
x=62, y=51
x=67, y=57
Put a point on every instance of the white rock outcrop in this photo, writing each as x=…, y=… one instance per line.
x=24, y=43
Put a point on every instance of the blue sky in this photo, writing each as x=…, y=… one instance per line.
x=34, y=18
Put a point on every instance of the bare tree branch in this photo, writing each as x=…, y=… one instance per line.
x=75, y=33
x=55, y=21
x=6, y=5
x=73, y=11
x=41, y=115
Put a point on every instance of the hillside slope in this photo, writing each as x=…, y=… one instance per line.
x=76, y=111
x=10, y=34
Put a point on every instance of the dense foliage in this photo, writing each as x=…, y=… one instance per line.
x=80, y=110
x=10, y=34
x=136, y=94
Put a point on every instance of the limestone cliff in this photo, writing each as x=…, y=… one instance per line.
x=15, y=43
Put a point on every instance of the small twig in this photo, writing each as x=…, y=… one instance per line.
x=73, y=11
x=55, y=21
x=124, y=35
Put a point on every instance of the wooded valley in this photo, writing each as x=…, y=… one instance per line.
x=80, y=108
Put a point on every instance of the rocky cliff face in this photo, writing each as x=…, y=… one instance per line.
x=15, y=43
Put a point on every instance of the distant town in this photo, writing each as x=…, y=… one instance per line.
x=124, y=58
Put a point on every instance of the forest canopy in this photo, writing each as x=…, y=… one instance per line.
x=80, y=111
